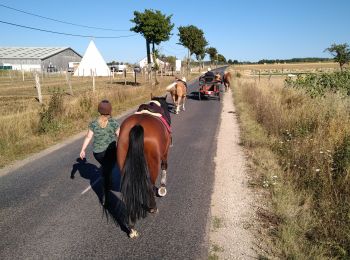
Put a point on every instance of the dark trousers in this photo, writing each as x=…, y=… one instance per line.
x=107, y=159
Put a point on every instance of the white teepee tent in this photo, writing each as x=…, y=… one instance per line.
x=92, y=63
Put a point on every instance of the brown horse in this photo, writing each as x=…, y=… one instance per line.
x=142, y=149
x=178, y=92
x=227, y=80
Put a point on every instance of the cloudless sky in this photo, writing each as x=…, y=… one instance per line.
x=245, y=30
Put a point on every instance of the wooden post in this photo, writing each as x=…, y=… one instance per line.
x=259, y=75
x=93, y=82
x=69, y=84
x=150, y=74
x=124, y=77
x=135, y=77
x=38, y=88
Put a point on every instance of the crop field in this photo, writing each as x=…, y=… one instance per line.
x=19, y=89
x=287, y=68
x=26, y=126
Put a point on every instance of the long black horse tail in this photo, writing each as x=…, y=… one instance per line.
x=135, y=186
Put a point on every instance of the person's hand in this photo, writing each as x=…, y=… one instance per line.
x=82, y=154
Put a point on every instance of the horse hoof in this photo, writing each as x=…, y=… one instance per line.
x=154, y=211
x=162, y=191
x=133, y=234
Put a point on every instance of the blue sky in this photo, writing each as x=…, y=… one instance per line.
x=242, y=30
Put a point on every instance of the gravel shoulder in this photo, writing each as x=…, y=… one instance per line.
x=232, y=210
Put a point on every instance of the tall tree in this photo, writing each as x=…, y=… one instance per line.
x=212, y=53
x=154, y=26
x=193, y=39
x=221, y=58
x=341, y=53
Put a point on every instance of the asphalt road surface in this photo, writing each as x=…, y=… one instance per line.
x=44, y=214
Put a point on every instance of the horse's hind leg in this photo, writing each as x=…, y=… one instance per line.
x=163, y=177
x=153, y=170
x=183, y=103
x=162, y=190
x=132, y=231
x=179, y=100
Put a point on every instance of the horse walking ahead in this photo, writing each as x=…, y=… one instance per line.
x=178, y=92
x=142, y=149
x=227, y=80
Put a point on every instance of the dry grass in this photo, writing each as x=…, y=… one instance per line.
x=300, y=149
x=281, y=68
x=290, y=66
x=27, y=127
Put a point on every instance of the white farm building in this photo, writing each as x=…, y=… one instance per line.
x=143, y=62
x=38, y=58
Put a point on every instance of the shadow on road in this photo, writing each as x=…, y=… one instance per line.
x=116, y=208
x=194, y=95
x=91, y=172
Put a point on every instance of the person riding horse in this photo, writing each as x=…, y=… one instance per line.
x=182, y=80
x=208, y=75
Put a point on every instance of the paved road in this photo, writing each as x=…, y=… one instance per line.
x=46, y=214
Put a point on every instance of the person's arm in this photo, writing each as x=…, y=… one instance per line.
x=87, y=140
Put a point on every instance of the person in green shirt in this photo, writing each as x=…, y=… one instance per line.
x=105, y=131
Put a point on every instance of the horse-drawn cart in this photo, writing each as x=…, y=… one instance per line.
x=209, y=88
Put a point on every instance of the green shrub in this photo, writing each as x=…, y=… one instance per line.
x=50, y=116
x=86, y=103
x=317, y=85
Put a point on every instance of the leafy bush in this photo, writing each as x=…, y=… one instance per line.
x=50, y=116
x=86, y=103
x=319, y=84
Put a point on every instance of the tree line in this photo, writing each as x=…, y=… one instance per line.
x=340, y=53
x=157, y=27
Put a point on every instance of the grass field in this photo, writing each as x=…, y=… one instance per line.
x=26, y=126
x=299, y=152
x=287, y=68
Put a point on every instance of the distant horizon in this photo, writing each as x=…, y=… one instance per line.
x=321, y=59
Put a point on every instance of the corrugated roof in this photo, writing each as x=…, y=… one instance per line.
x=29, y=52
